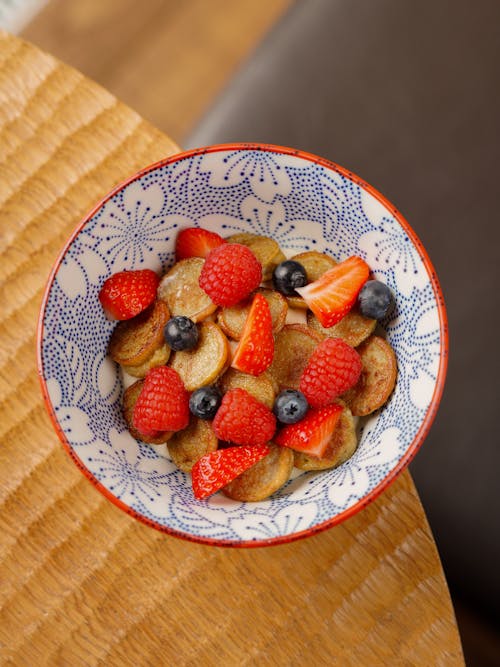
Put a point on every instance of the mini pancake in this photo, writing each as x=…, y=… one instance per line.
x=293, y=346
x=187, y=446
x=353, y=328
x=341, y=447
x=232, y=320
x=264, y=478
x=315, y=264
x=133, y=341
x=130, y=397
x=260, y=387
x=264, y=248
x=204, y=363
x=158, y=358
x=180, y=289
x=378, y=377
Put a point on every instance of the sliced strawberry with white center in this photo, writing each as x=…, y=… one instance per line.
x=196, y=242
x=213, y=471
x=333, y=295
x=311, y=434
x=255, y=350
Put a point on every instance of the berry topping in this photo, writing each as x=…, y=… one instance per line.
x=205, y=402
x=311, y=434
x=196, y=242
x=255, y=350
x=214, y=470
x=332, y=369
x=242, y=419
x=230, y=273
x=181, y=333
x=216, y=404
x=127, y=293
x=290, y=406
x=375, y=299
x=333, y=295
x=163, y=404
x=289, y=275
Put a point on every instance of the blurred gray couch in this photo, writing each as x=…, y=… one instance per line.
x=407, y=95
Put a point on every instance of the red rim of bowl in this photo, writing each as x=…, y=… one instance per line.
x=426, y=422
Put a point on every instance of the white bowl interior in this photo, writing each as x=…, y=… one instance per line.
x=303, y=205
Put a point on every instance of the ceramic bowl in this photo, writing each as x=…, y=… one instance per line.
x=302, y=201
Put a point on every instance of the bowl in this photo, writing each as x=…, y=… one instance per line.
x=302, y=201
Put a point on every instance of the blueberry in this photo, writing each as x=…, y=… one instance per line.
x=289, y=275
x=181, y=333
x=205, y=402
x=375, y=300
x=290, y=406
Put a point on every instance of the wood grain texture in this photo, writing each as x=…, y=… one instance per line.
x=81, y=583
x=166, y=58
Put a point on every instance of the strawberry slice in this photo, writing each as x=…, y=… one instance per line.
x=196, y=242
x=333, y=295
x=311, y=434
x=255, y=350
x=214, y=470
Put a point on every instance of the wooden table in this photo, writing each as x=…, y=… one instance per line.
x=81, y=583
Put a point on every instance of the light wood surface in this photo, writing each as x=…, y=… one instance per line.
x=166, y=58
x=82, y=583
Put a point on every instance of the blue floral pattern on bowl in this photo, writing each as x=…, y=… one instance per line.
x=304, y=203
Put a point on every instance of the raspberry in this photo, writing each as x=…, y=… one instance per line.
x=127, y=293
x=242, y=419
x=163, y=404
x=333, y=368
x=230, y=273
